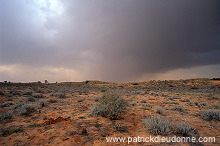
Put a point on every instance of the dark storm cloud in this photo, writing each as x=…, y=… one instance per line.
x=112, y=40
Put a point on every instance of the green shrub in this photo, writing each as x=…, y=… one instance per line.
x=96, y=99
x=26, y=110
x=43, y=103
x=97, y=125
x=31, y=99
x=52, y=101
x=80, y=100
x=160, y=111
x=45, y=117
x=120, y=128
x=184, y=130
x=82, y=117
x=2, y=93
x=214, y=97
x=185, y=100
x=134, y=103
x=157, y=125
x=34, y=125
x=216, y=105
x=16, y=130
x=27, y=93
x=37, y=95
x=19, y=105
x=6, y=104
x=111, y=106
x=178, y=108
x=174, y=97
x=60, y=95
x=8, y=131
x=15, y=92
x=6, y=116
x=210, y=115
x=97, y=110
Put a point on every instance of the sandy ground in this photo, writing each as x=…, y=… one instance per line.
x=68, y=121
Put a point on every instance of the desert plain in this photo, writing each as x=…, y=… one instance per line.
x=62, y=113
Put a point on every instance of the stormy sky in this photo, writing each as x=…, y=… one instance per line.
x=109, y=40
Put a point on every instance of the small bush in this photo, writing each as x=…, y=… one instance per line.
x=34, y=125
x=52, y=101
x=210, y=115
x=37, y=95
x=200, y=105
x=26, y=110
x=60, y=95
x=143, y=101
x=9, y=131
x=111, y=106
x=31, y=99
x=98, y=125
x=6, y=116
x=203, y=104
x=16, y=130
x=82, y=117
x=157, y=125
x=80, y=100
x=19, y=105
x=97, y=110
x=45, y=117
x=185, y=100
x=174, y=97
x=43, y=103
x=6, y=104
x=120, y=128
x=216, y=105
x=160, y=111
x=194, y=87
x=178, y=108
x=96, y=99
x=134, y=103
x=2, y=93
x=189, y=104
x=184, y=130
x=15, y=92
x=214, y=97
x=27, y=93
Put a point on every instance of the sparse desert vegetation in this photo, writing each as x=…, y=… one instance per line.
x=158, y=125
x=112, y=106
x=184, y=130
x=85, y=113
x=211, y=115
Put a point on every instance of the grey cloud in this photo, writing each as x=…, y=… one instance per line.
x=113, y=40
